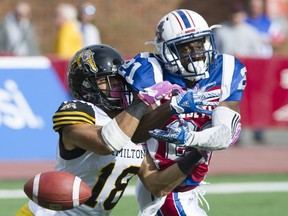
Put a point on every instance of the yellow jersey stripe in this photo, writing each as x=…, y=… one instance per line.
x=59, y=113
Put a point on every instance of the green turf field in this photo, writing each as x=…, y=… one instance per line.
x=238, y=204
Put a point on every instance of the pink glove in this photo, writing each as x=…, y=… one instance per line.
x=158, y=91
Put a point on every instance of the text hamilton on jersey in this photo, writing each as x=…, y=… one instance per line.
x=130, y=153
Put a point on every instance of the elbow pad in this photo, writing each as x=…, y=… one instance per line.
x=229, y=118
x=224, y=132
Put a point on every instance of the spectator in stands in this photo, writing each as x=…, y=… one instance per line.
x=277, y=10
x=90, y=33
x=69, y=37
x=17, y=35
x=236, y=29
x=270, y=31
x=238, y=37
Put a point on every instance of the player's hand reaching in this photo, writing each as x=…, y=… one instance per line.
x=215, y=138
x=193, y=101
x=177, y=135
x=158, y=91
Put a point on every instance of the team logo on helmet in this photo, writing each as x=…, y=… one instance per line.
x=86, y=58
x=159, y=31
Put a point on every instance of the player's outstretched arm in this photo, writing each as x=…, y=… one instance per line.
x=118, y=132
x=195, y=101
x=108, y=138
x=224, y=132
x=162, y=182
x=153, y=119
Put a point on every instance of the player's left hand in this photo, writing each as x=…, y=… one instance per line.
x=177, y=135
x=215, y=138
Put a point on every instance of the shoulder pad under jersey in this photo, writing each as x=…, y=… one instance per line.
x=73, y=112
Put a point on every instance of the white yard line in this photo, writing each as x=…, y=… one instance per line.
x=225, y=188
x=219, y=188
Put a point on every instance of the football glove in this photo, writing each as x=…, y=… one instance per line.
x=158, y=91
x=193, y=101
x=177, y=135
x=215, y=138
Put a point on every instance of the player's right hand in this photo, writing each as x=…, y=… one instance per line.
x=194, y=101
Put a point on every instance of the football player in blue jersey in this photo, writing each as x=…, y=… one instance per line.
x=186, y=55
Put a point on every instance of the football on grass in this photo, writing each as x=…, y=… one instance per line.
x=57, y=190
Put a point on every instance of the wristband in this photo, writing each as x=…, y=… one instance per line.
x=113, y=136
x=190, y=159
x=137, y=109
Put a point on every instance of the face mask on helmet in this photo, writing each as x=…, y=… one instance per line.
x=186, y=44
x=93, y=77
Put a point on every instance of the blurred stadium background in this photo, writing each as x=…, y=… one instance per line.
x=31, y=89
x=127, y=24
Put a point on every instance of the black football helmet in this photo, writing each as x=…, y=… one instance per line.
x=94, y=62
